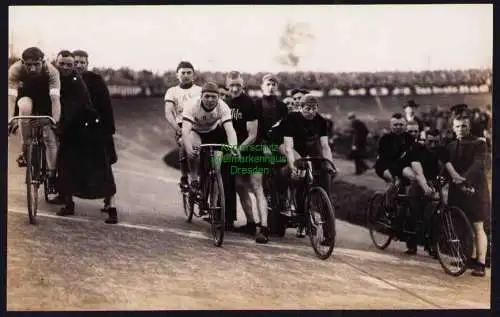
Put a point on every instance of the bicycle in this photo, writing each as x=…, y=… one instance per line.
x=435, y=228
x=316, y=201
x=210, y=200
x=36, y=168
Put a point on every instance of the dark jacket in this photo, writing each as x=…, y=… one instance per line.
x=83, y=165
x=101, y=100
x=269, y=111
x=468, y=157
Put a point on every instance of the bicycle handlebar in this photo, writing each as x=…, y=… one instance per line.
x=465, y=186
x=33, y=118
x=299, y=163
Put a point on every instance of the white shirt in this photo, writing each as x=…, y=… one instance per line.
x=206, y=121
x=179, y=97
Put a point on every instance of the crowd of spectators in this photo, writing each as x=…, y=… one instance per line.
x=309, y=80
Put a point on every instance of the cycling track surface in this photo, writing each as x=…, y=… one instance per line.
x=154, y=260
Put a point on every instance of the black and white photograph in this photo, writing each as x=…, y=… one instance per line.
x=249, y=157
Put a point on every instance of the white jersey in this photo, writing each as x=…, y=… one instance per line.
x=206, y=121
x=180, y=96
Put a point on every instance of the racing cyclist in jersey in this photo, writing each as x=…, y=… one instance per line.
x=206, y=120
x=392, y=147
x=306, y=134
x=175, y=100
x=35, y=85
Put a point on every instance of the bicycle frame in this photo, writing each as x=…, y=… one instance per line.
x=207, y=151
x=37, y=142
x=36, y=169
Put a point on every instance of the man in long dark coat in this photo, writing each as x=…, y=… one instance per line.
x=101, y=100
x=84, y=168
x=466, y=163
x=358, y=149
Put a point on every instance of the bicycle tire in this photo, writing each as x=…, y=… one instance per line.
x=467, y=232
x=188, y=205
x=31, y=183
x=376, y=202
x=327, y=215
x=217, y=208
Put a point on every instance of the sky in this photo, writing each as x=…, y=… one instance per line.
x=246, y=37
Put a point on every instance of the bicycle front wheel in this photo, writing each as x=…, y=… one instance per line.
x=454, y=240
x=320, y=222
x=217, y=208
x=378, y=222
x=32, y=181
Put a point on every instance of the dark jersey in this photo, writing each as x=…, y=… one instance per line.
x=391, y=151
x=269, y=111
x=305, y=133
x=431, y=161
x=242, y=111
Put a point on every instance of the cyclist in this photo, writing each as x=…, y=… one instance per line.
x=35, y=85
x=306, y=134
x=175, y=100
x=206, y=119
x=392, y=147
x=246, y=123
x=421, y=164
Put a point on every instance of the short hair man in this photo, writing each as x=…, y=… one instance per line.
x=101, y=100
x=175, y=100
x=38, y=95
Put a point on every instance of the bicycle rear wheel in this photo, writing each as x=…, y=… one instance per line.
x=378, y=222
x=217, y=208
x=320, y=219
x=454, y=240
x=32, y=181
